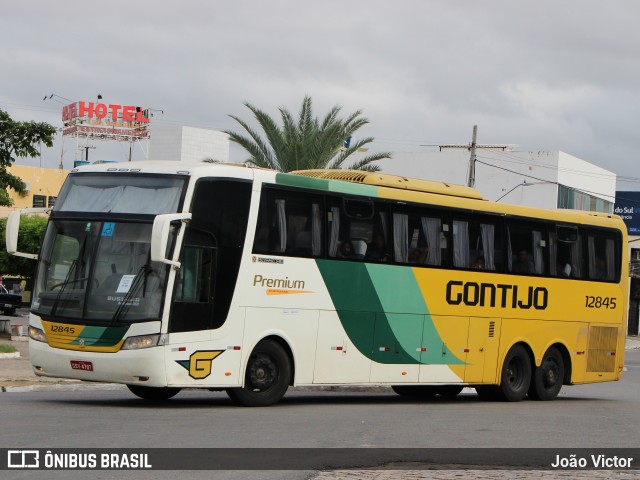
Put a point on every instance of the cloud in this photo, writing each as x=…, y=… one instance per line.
x=544, y=75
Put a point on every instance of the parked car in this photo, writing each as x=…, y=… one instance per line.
x=9, y=301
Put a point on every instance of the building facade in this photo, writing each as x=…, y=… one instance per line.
x=628, y=207
x=188, y=144
x=545, y=179
x=43, y=186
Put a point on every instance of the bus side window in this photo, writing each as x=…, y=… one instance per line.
x=289, y=223
x=527, y=249
x=601, y=256
x=566, y=251
x=477, y=243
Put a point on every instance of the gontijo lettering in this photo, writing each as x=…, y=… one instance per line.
x=490, y=295
x=259, y=280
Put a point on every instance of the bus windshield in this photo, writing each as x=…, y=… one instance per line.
x=141, y=194
x=98, y=271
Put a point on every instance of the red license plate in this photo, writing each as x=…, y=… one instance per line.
x=81, y=365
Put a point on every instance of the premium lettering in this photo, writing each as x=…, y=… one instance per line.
x=277, y=282
x=499, y=295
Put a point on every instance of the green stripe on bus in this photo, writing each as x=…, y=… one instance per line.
x=326, y=185
x=101, y=336
x=387, y=320
x=400, y=296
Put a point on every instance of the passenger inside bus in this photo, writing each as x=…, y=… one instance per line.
x=419, y=255
x=563, y=269
x=522, y=263
x=346, y=250
x=479, y=263
x=377, y=250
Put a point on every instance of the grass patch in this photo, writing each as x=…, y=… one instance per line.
x=4, y=348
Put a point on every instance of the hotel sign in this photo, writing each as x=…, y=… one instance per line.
x=105, y=121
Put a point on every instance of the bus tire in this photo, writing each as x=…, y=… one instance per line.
x=153, y=393
x=516, y=375
x=548, y=377
x=267, y=376
x=416, y=391
x=449, y=391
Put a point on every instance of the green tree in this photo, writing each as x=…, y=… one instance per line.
x=305, y=142
x=32, y=229
x=19, y=139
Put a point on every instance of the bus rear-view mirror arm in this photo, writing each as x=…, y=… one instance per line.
x=160, y=236
x=13, y=228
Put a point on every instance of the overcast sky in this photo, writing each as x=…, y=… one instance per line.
x=544, y=75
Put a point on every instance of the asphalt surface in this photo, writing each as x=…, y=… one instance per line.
x=16, y=375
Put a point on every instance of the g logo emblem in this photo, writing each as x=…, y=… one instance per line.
x=199, y=363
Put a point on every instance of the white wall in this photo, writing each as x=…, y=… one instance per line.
x=576, y=173
x=451, y=166
x=521, y=178
x=188, y=144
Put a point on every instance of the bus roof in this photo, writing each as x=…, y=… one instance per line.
x=373, y=184
x=394, y=181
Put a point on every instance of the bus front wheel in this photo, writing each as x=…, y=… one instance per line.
x=515, y=378
x=267, y=376
x=548, y=377
x=153, y=393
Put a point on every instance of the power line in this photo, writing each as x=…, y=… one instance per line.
x=546, y=181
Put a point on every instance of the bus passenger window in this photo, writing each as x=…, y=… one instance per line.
x=289, y=223
x=601, y=256
x=527, y=248
x=566, y=252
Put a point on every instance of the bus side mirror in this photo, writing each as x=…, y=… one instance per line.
x=13, y=228
x=160, y=236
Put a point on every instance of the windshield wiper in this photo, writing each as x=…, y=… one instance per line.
x=139, y=279
x=62, y=286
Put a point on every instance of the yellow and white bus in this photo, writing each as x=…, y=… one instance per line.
x=163, y=276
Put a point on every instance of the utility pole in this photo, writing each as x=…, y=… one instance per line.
x=471, y=182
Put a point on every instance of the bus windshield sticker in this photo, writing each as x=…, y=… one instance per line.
x=125, y=283
x=108, y=228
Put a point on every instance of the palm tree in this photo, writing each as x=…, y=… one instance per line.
x=306, y=142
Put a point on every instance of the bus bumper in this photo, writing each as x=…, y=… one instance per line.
x=142, y=367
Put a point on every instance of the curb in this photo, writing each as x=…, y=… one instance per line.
x=10, y=355
x=61, y=387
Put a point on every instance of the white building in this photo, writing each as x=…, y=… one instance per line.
x=188, y=144
x=543, y=179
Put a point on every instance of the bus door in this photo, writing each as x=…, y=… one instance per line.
x=205, y=334
x=193, y=303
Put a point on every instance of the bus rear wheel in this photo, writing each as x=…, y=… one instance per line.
x=267, y=376
x=548, y=377
x=153, y=393
x=515, y=378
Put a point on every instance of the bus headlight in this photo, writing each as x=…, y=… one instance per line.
x=142, y=341
x=36, y=334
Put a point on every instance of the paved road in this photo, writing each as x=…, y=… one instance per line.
x=598, y=416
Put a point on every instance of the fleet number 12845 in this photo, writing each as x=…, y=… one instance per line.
x=600, y=302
